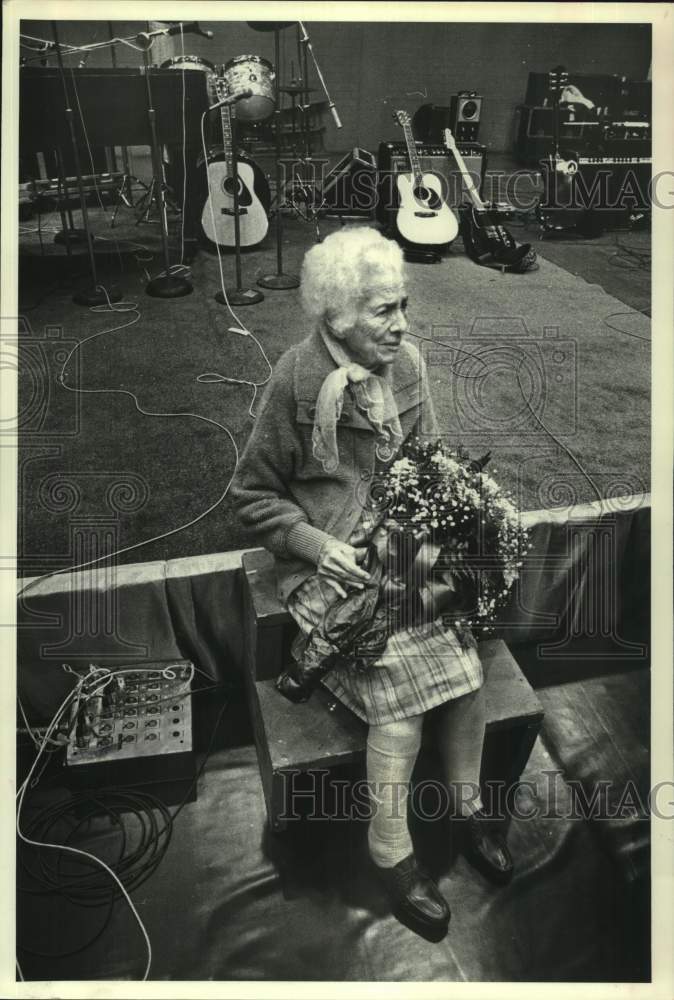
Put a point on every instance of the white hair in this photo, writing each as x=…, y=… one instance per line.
x=337, y=272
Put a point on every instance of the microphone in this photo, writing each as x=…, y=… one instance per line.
x=240, y=95
x=336, y=118
x=187, y=28
x=145, y=39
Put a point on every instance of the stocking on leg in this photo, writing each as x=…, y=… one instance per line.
x=460, y=728
x=392, y=750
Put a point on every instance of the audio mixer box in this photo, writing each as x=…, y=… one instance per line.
x=136, y=732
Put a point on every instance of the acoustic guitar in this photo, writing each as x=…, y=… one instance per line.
x=422, y=217
x=486, y=241
x=217, y=217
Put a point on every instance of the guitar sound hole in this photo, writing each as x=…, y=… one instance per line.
x=427, y=197
x=245, y=198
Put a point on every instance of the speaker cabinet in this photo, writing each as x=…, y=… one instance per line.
x=600, y=192
x=351, y=186
x=535, y=130
x=393, y=160
x=465, y=111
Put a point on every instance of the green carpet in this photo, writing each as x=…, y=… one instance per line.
x=93, y=459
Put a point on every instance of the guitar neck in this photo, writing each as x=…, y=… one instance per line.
x=412, y=152
x=226, y=120
x=465, y=173
x=557, y=80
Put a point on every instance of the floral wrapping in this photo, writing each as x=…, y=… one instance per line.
x=449, y=543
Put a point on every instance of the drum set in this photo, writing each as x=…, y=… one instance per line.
x=249, y=72
x=256, y=77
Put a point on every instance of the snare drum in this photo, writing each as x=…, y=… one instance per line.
x=195, y=63
x=256, y=74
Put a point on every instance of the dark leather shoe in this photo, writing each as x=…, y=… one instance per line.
x=485, y=848
x=414, y=895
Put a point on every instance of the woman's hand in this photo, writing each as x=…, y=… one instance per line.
x=338, y=563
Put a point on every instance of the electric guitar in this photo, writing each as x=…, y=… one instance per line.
x=217, y=217
x=422, y=216
x=485, y=239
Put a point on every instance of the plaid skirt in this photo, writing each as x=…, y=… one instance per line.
x=419, y=668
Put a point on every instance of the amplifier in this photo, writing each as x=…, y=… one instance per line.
x=618, y=142
x=603, y=90
x=434, y=159
x=465, y=110
x=535, y=132
x=595, y=192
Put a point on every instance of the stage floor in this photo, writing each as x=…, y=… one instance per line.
x=546, y=369
x=243, y=904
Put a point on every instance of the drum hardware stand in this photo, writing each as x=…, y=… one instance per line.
x=308, y=189
x=238, y=296
x=144, y=204
x=279, y=280
x=125, y=193
x=125, y=190
x=305, y=205
x=68, y=234
x=167, y=285
x=95, y=295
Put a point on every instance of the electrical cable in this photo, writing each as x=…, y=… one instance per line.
x=131, y=869
x=132, y=307
x=86, y=139
x=208, y=377
x=75, y=850
x=626, y=333
x=633, y=259
x=72, y=50
x=527, y=403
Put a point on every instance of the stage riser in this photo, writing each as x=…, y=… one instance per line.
x=192, y=608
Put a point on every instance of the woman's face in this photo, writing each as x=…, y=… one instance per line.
x=381, y=323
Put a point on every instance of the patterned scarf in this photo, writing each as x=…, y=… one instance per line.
x=373, y=396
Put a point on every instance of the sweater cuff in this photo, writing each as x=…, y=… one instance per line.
x=306, y=542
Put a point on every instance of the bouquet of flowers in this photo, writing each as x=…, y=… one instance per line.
x=449, y=545
x=467, y=524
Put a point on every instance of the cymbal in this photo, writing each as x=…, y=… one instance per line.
x=297, y=88
x=269, y=25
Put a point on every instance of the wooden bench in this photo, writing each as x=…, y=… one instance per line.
x=322, y=734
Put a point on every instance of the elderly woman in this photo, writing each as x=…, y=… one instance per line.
x=336, y=411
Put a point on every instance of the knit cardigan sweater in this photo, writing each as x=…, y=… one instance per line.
x=283, y=495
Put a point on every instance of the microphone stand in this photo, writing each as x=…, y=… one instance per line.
x=238, y=296
x=68, y=234
x=166, y=285
x=279, y=280
x=307, y=186
x=94, y=295
x=309, y=47
x=125, y=192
